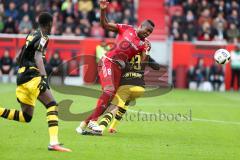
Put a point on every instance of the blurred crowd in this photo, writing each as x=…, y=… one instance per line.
x=205, y=77
x=212, y=77
x=70, y=17
x=55, y=66
x=205, y=20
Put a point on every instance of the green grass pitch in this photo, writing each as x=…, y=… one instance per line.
x=213, y=133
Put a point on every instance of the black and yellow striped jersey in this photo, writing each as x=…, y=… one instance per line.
x=134, y=73
x=35, y=42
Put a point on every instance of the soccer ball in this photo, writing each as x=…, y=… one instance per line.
x=222, y=56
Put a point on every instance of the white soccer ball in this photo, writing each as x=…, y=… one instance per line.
x=222, y=56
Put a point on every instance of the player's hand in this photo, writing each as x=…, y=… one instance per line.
x=147, y=47
x=103, y=4
x=43, y=85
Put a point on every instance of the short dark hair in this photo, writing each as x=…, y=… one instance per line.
x=44, y=19
x=150, y=22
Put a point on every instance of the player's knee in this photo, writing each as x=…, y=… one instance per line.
x=27, y=117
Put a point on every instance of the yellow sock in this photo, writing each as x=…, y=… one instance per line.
x=118, y=117
x=53, y=134
x=1, y=111
x=114, y=124
x=104, y=122
x=12, y=114
x=52, y=119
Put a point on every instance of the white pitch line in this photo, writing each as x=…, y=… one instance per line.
x=216, y=121
x=194, y=119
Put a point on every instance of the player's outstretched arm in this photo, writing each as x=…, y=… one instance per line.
x=103, y=19
x=153, y=64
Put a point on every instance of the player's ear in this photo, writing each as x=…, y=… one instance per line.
x=49, y=25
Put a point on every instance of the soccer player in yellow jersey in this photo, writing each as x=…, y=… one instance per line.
x=32, y=82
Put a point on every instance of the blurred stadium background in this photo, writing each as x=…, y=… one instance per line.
x=187, y=34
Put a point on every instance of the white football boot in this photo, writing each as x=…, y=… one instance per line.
x=81, y=127
x=93, y=125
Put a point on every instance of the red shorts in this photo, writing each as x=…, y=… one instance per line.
x=109, y=74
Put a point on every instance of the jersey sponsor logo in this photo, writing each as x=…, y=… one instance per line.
x=132, y=44
x=124, y=45
x=132, y=75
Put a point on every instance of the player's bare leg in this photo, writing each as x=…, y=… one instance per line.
x=52, y=118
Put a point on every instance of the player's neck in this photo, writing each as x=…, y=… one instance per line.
x=43, y=31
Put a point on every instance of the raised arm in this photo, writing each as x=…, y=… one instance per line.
x=103, y=19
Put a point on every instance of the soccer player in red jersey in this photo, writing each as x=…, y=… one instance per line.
x=129, y=42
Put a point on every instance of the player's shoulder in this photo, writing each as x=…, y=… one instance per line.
x=40, y=37
x=37, y=40
x=32, y=37
x=36, y=36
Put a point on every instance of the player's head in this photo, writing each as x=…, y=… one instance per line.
x=45, y=21
x=145, y=29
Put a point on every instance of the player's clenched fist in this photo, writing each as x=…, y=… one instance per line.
x=103, y=4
